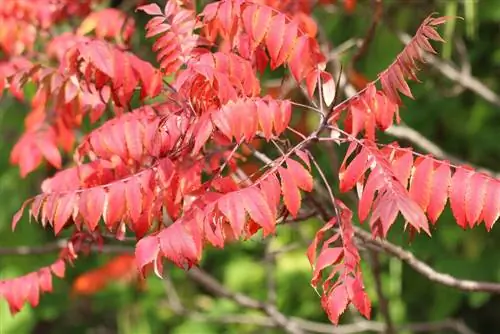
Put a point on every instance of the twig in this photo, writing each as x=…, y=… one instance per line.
x=377, y=14
x=172, y=297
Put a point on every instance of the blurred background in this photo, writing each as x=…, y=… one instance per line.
x=456, y=107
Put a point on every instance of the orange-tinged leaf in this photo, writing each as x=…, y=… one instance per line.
x=259, y=24
x=271, y=191
x=58, y=268
x=288, y=43
x=402, y=166
x=18, y=215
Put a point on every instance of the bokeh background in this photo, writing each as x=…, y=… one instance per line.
x=446, y=110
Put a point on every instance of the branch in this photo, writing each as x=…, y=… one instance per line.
x=423, y=268
x=216, y=288
x=58, y=245
x=298, y=325
x=277, y=319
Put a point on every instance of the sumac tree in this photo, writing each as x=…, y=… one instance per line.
x=168, y=171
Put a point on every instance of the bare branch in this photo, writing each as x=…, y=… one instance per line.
x=210, y=283
x=423, y=268
x=58, y=245
x=172, y=297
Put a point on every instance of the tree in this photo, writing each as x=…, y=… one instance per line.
x=169, y=171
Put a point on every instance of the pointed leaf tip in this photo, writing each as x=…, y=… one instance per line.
x=151, y=9
x=17, y=217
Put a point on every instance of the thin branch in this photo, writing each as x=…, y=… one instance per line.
x=377, y=15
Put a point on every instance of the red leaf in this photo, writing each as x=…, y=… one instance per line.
x=421, y=182
x=19, y=213
x=491, y=209
x=91, y=206
x=458, y=194
x=63, y=211
x=374, y=183
x=352, y=174
x=151, y=9
x=258, y=209
x=439, y=192
x=358, y=296
x=336, y=303
x=475, y=198
x=291, y=193
x=146, y=251
x=179, y=246
x=328, y=88
x=234, y=213
x=302, y=177
x=134, y=196
x=326, y=258
x=58, y=268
